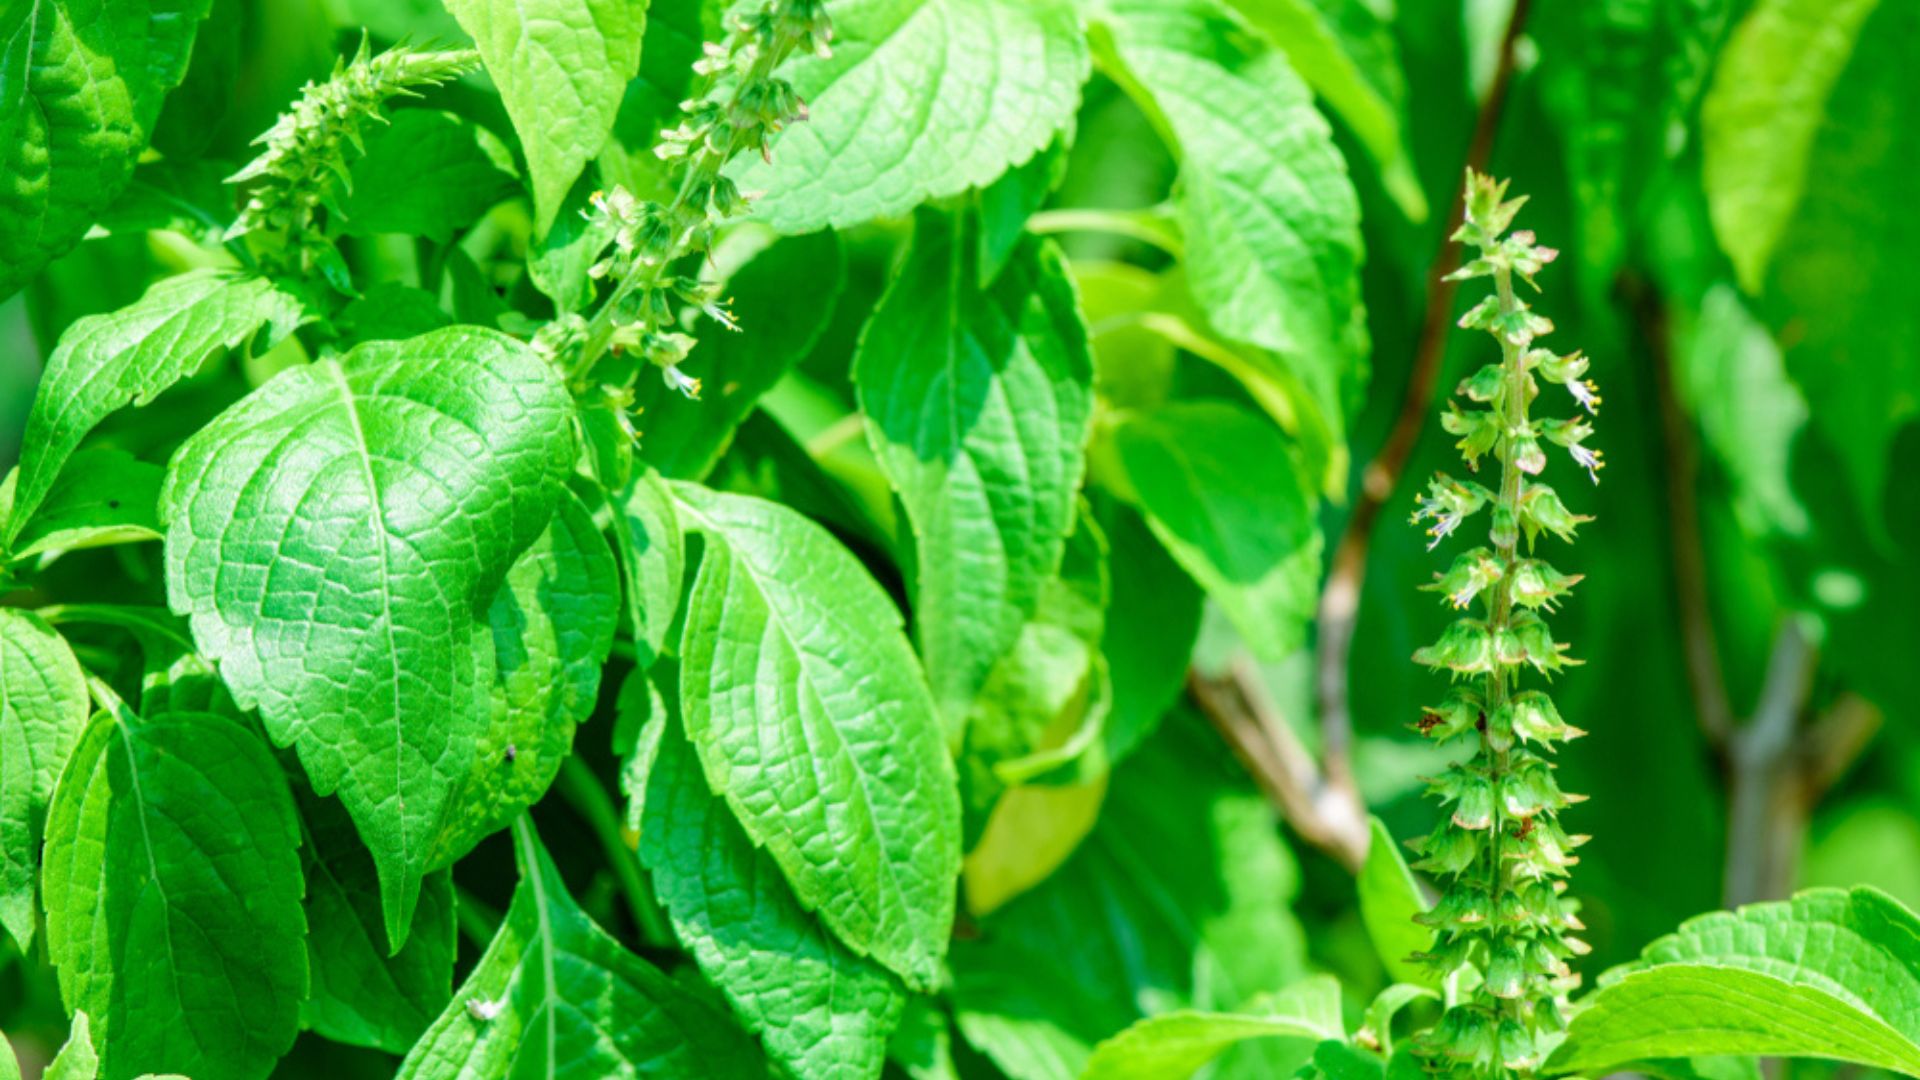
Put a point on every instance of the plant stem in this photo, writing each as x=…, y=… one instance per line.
x=583, y=792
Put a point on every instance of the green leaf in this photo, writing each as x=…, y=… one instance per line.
x=1844, y=297
x=1749, y=412
x=1345, y=51
x=1151, y=625
x=1830, y=974
x=554, y=996
x=81, y=84
x=813, y=720
x=653, y=558
x=425, y=468
x=553, y=623
x=426, y=173
x=43, y=708
x=390, y=311
x=821, y=1010
x=1389, y=900
x=1271, y=221
x=1177, y=900
x=106, y=362
x=361, y=995
x=977, y=401
x=77, y=1060
x=1219, y=488
x=784, y=301
x=1174, y=1046
x=102, y=497
x=173, y=891
x=913, y=105
x=1761, y=117
x=561, y=67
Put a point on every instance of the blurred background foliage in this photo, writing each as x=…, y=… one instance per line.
x=1732, y=184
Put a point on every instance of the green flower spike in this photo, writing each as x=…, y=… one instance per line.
x=1499, y=851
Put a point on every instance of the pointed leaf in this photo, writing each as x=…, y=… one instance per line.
x=107, y=362
x=426, y=173
x=1830, y=973
x=977, y=401
x=555, y=997
x=552, y=627
x=1271, y=221
x=332, y=538
x=561, y=67
x=43, y=708
x=812, y=719
x=821, y=1010
x=653, y=556
x=1174, y=1046
x=911, y=106
x=173, y=890
x=77, y=1060
x=1219, y=488
x=1389, y=900
x=361, y=995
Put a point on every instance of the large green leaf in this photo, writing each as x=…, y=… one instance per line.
x=1219, y=488
x=561, y=67
x=1761, y=116
x=173, y=891
x=1830, y=973
x=81, y=84
x=1843, y=292
x=361, y=995
x=784, y=301
x=821, y=1010
x=1177, y=900
x=813, y=720
x=334, y=537
x=916, y=104
x=556, y=997
x=426, y=173
x=553, y=623
x=43, y=707
x=1345, y=51
x=107, y=362
x=1174, y=1046
x=1271, y=221
x=977, y=399
x=1390, y=902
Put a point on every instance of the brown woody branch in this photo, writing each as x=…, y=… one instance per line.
x=1324, y=808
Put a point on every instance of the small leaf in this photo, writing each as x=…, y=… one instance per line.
x=653, y=558
x=43, y=708
x=1389, y=900
x=1174, y=1046
x=813, y=721
x=173, y=890
x=107, y=362
x=977, y=401
x=1218, y=487
x=426, y=173
x=77, y=1060
x=561, y=67
x=821, y=1010
x=912, y=107
x=361, y=995
x=102, y=497
x=1830, y=974
x=338, y=587
x=554, y=996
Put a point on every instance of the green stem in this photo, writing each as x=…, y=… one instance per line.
x=703, y=168
x=584, y=792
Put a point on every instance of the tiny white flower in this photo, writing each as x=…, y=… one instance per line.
x=1585, y=393
x=1588, y=460
x=681, y=381
x=485, y=1009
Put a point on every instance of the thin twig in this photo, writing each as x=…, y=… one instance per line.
x=1699, y=643
x=1325, y=810
x=1340, y=600
x=1767, y=805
